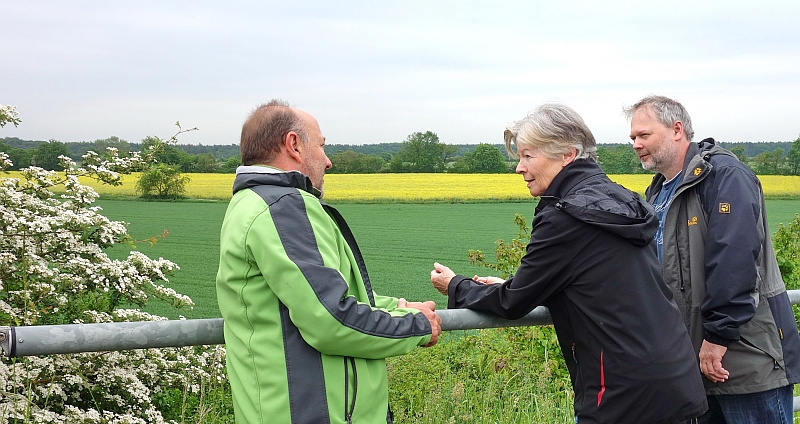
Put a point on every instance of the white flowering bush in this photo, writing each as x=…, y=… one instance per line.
x=9, y=115
x=53, y=270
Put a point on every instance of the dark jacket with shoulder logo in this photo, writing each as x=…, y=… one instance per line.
x=719, y=261
x=592, y=261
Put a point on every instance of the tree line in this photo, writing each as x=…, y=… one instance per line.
x=419, y=152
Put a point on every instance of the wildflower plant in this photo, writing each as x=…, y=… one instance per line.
x=509, y=254
x=53, y=270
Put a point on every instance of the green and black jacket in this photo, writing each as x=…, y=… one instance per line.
x=306, y=336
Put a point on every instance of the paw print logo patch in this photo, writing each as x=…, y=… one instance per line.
x=697, y=171
x=724, y=208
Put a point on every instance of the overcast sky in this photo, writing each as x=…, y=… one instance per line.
x=377, y=71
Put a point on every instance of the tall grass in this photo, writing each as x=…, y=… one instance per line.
x=507, y=375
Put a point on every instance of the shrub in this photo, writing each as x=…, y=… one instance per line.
x=787, y=250
x=53, y=270
x=162, y=182
x=508, y=255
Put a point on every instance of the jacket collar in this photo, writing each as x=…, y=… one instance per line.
x=569, y=177
x=695, y=167
x=251, y=176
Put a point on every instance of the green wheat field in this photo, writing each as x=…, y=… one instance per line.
x=400, y=242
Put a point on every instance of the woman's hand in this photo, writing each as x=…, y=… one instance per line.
x=440, y=277
x=488, y=280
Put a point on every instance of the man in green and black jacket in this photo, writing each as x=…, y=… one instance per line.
x=306, y=336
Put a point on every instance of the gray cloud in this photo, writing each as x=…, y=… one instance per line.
x=377, y=71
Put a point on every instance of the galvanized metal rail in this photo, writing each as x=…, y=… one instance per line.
x=76, y=338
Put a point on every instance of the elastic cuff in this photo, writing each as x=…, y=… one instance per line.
x=717, y=340
x=451, y=290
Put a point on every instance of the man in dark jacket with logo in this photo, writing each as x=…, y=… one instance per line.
x=591, y=260
x=717, y=257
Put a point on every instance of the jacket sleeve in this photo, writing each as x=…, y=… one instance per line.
x=540, y=275
x=384, y=302
x=302, y=271
x=732, y=201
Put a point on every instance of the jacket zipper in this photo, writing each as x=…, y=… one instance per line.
x=349, y=407
x=680, y=263
x=577, y=381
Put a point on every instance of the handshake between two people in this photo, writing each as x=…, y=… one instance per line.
x=440, y=277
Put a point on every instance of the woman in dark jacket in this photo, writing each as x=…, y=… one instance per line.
x=592, y=261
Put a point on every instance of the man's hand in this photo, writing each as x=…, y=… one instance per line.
x=711, y=361
x=440, y=277
x=427, y=308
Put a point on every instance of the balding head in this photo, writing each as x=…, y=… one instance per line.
x=264, y=130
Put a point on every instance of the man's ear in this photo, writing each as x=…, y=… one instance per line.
x=294, y=146
x=677, y=130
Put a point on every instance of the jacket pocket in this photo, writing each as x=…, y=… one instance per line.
x=577, y=382
x=350, y=406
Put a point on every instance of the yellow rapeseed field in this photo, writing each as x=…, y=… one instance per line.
x=418, y=187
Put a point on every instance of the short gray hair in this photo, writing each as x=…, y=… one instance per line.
x=554, y=129
x=264, y=130
x=667, y=111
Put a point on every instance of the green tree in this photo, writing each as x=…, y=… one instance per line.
x=447, y=152
x=168, y=154
x=20, y=157
x=46, y=155
x=421, y=152
x=739, y=152
x=205, y=162
x=162, y=181
x=122, y=146
x=485, y=159
x=619, y=160
x=230, y=165
x=793, y=158
x=351, y=162
x=770, y=162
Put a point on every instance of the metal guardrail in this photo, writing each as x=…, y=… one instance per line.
x=75, y=338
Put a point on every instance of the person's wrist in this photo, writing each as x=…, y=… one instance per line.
x=716, y=339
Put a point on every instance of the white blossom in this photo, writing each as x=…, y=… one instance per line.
x=53, y=266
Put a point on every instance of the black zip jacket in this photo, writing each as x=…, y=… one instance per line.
x=592, y=261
